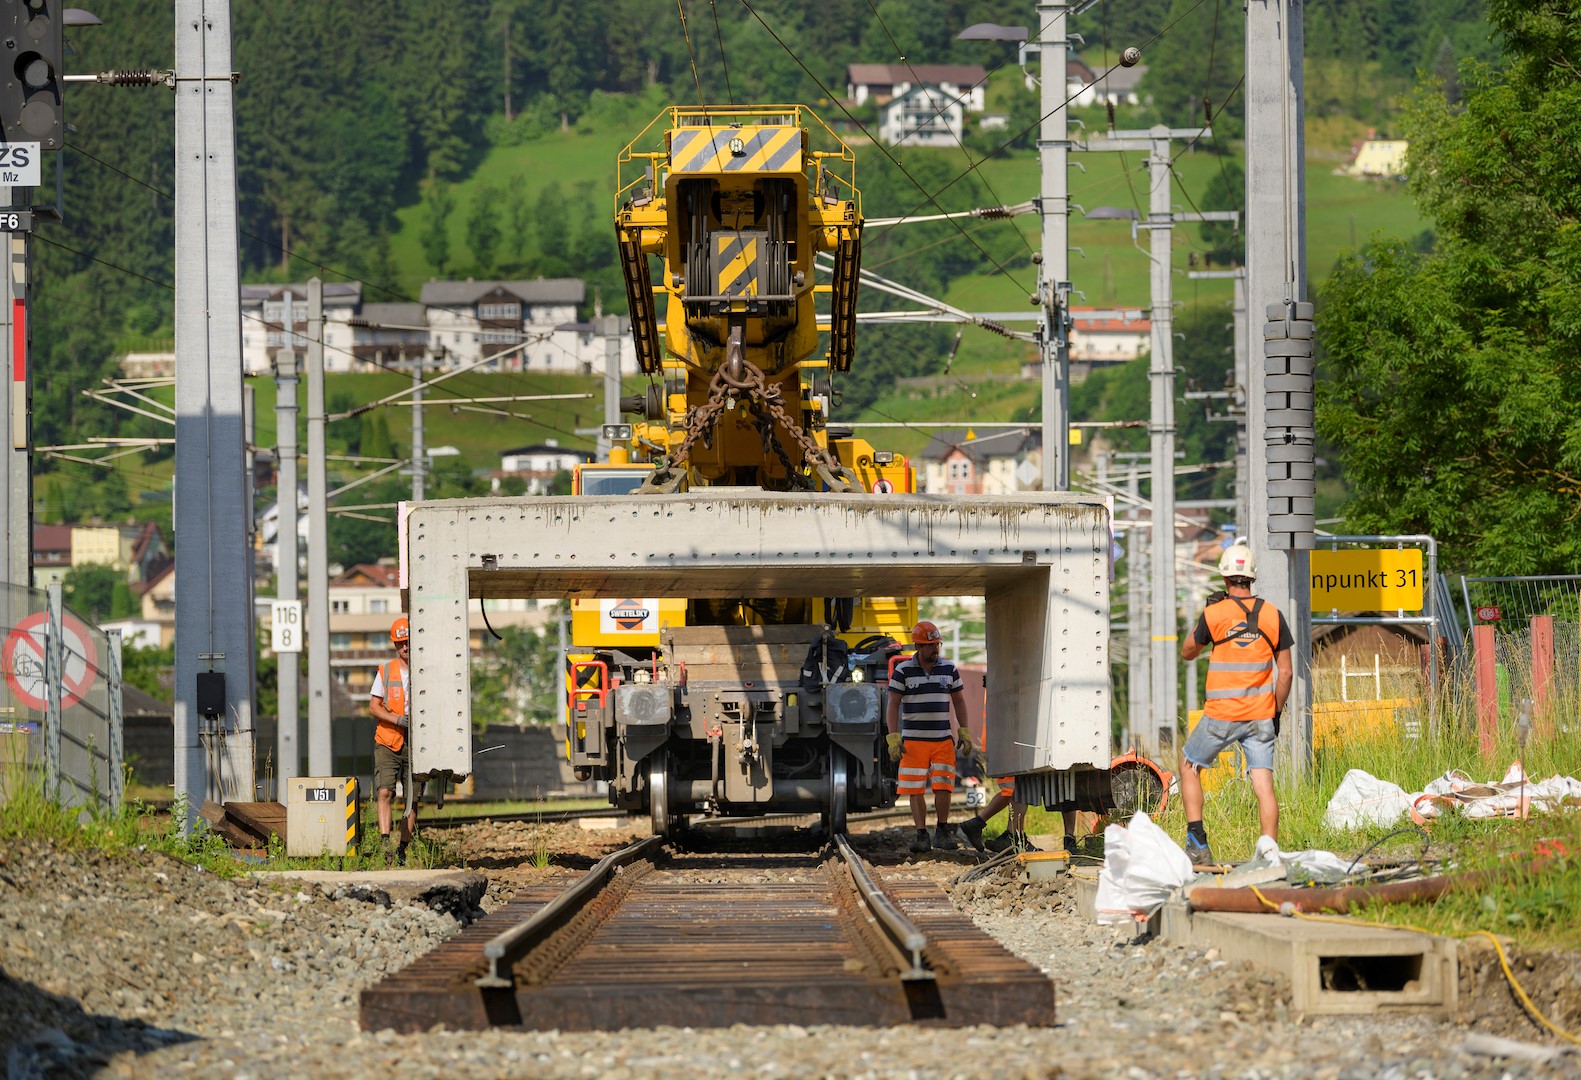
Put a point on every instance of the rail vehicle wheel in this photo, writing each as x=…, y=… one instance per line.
x=1137, y=788
x=659, y=793
x=833, y=816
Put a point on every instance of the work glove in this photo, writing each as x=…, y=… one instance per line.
x=893, y=741
x=1216, y=596
x=963, y=740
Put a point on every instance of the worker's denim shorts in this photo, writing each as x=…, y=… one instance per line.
x=1210, y=737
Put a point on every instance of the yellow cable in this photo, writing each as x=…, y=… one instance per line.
x=1504, y=963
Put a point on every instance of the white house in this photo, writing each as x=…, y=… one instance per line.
x=1104, y=340
x=539, y=464
x=882, y=83
x=529, y=325
x=1378, y=158
x=922, y=116
x=265, y=318
x=999, y=462
x=1084, y=86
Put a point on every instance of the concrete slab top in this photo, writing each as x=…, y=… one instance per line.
x=444, y=889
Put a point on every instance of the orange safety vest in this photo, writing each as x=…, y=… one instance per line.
x=384, y=732
x=1241, y=672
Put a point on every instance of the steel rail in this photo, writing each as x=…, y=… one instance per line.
x=901, y=933
x=504, y=949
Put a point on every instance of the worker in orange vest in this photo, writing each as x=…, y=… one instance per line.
x=1249, y=676
x=390, y=703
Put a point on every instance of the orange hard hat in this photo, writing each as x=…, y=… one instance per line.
x=925, y=633
x=400, y=631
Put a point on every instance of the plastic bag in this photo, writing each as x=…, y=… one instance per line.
x=1142, y=866
x=1363, y=799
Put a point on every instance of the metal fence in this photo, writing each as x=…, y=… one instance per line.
x=1510, y=602
x=60, y=701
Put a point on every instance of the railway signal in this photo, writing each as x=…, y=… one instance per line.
x=31, y=105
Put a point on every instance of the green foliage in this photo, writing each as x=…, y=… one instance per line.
x=1225, y=240
x=89, y=589
x=513, y=682
x=146, y=667
x=439, y=201
x=1453, y=388
x=483, y=226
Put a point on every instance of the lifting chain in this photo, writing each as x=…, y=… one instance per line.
x=723, y=393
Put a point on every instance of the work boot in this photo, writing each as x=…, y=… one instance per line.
x=920, y=842
x=972, y=829
x=1010, y=841
x=944, y=838
x=1198, y=852
x=1072, y=847
x=400, y=854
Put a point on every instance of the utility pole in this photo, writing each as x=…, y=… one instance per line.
x=288, y=755
x=16, y=418
x=320, y=744
x=614, y=329
x=419, y=451
x=1138, y=656
x=1280, y=527
x=1161, y=217
x=1161, y=432
x=1054, y=286
x=214, y=619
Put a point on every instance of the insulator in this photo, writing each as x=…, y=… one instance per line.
x=996, y=328
x=1131, y=57
x=133, y=78
x=994, y=212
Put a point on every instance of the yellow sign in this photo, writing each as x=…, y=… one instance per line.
x=1367, y=579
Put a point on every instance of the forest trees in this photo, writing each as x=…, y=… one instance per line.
x=1452, y=386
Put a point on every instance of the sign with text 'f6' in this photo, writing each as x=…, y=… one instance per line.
x=1367, y=579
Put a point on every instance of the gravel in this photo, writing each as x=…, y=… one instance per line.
x=146, y=966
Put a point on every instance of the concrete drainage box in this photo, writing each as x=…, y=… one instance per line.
x=1334, y=969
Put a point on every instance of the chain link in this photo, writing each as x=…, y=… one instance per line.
x=723, y=391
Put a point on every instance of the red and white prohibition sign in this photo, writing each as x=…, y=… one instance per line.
x=23, y=657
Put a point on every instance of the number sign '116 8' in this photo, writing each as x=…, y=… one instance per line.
x=285, y=623
x=1367, y=579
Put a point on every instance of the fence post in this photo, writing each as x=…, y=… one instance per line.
x=54, y=668
x=1487, y=688
x=1542, y=670
x=112, y=678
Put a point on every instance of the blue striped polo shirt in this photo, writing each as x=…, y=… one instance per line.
x=925, y=698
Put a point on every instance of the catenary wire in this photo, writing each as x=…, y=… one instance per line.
x=299, y=255
x=720, y=38
x=915, y=81
x=455, y=391
x=876, y=142
x=690, y=52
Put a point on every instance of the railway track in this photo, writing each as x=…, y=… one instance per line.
x=655, y=936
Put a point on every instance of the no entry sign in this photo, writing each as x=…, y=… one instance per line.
x=23, y=656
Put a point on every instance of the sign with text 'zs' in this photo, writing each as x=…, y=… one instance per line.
x=19, y=165
x=1367, y=579
x=285, y=624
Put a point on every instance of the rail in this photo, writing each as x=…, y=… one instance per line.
x=504, y=949
x=900, y=932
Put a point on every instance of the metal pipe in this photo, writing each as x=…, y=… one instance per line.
x=1340, y=900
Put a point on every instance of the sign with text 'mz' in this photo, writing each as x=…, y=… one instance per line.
x=1367, y=579
x=20, y=165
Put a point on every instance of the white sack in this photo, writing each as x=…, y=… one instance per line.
x=1142, y=866
x=1362, y=799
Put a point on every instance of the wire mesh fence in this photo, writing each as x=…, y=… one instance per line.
x=60, y=701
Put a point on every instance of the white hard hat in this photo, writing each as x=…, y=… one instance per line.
x=1238, y=561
